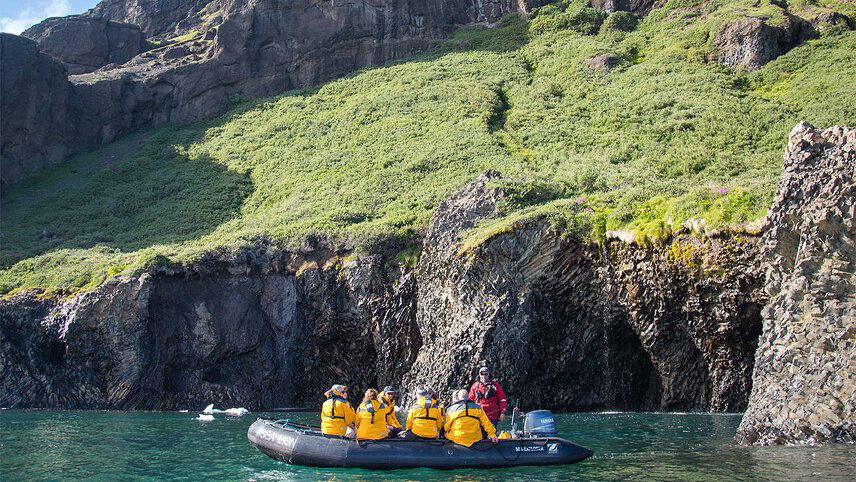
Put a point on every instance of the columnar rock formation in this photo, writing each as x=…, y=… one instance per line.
x=804, y=379
x=167, y=341
x=572, y=325
x=565, y=325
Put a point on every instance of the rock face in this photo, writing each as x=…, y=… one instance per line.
x=85, y=44
x=569, y=326
x=639, y=7
x=154, y=17
x=212, y=53
x=804, y=379
x=36, y=125
x=751, y=42
x=167, y=342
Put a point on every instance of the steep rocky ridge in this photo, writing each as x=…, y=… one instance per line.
x=804, y=377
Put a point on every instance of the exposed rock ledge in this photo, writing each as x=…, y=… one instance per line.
x=805, y=369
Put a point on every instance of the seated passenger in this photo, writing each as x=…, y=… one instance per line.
x=336, y=413
x=465, y=421
x=388, y=397
x=371, y=417
x=425, y=419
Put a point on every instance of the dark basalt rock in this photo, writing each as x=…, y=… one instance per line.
x=639, y=7
x=155, y=17
x=169, y=342
x=751, y=42
x=85, y=44
x=832, y=20
x=603, y=63
x=804, y=382
x=37, y=126
x=571, y=326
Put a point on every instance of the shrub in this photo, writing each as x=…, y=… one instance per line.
x=621, y=22
x=585, y=20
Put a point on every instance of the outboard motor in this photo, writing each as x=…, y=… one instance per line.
x=540, y=423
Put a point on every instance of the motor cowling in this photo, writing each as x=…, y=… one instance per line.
x=540, y=423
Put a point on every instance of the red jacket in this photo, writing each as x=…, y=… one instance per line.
x=490, y=396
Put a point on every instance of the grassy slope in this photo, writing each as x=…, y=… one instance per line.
x=663, y=138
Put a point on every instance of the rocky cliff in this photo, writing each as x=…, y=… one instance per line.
x=576, y=326
x=289, y=327
x=37, y=121
x=804, y=378
x=569, y=326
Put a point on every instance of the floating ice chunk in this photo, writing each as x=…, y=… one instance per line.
x=235, y=412
x=203, y=417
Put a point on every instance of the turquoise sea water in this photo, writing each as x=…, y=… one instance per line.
x=95, y=445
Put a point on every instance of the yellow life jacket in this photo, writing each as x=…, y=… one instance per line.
x=391, y=419
x=465, y=421
x=371, y=420
x=336, y=414
x=425, y=418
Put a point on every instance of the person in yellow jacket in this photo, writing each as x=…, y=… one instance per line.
x=371, y=417
x=336, y=413
x=425, y=418
x=465, y=421
x=388, y=397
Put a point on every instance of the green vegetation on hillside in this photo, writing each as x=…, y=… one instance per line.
x=664, y=138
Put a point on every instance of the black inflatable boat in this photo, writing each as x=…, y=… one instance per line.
x=303, y=445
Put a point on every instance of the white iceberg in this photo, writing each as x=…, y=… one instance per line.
x=236, y=412
x=232, y=412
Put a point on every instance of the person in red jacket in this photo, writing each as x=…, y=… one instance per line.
x=489, y=395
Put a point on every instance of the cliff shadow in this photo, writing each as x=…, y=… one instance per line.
x=143, y=190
